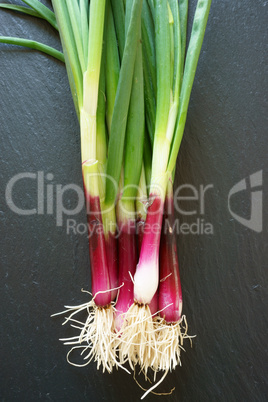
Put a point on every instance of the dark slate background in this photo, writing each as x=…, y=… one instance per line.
x=223, y=275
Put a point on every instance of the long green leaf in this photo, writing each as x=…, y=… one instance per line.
x=101, y=147
x=149, y=68
x=151, y=5
x=150, y=100
x=193, y=52
x=95, y=41
x=135, y=130
x=119, y=20
x=74, y=15
x=148, y=41
x=162, y=42
x=91, y=79
x=21, y=9
x=84, y=26
x=86, y=4
x=119, y=120
x=72, y=87
x=177, y=50
x=113, y=65
x=33, y=45
x=161, y=146
x=183, y=9
x=44, y=11
x=147, y=158
x=70, y=52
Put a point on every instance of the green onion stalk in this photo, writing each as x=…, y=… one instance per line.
x=82, y=42
x=142, y=336
x=174, y=324
x=139, y=337
x=133, y=131
x=108, y=213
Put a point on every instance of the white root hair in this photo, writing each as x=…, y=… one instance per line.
x=144, y=340
x=149, y=342
x=170, y=339
x=137, y=341
x=96, y=339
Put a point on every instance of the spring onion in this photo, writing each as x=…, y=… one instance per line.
x=131, y=79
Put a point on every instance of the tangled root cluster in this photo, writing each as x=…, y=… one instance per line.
x=137, y=341
x=144, y=341
x=96, y=339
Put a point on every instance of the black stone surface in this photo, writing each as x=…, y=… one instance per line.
x=224, y=275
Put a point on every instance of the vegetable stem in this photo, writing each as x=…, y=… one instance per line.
x=196, y=41
x=33, y=45
x=44, y=11
x=119, y=120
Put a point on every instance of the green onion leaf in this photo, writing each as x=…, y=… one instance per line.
x=183, y=9
x=161, y=148
x=147, y=158
x=33, y=45
x=148, y=42
x=70, y=52
x=112, y=61
x=177, y=50
x=193, y=52
x=119, y=20
x=74, y=15
x=21, y=9
x=84, y=26
x=135, y=131
x=91, y=77
x=44, y=11
x=162, y=41
x=95, y=40
x=119, y=120
x=151, y=5
x=101, y=147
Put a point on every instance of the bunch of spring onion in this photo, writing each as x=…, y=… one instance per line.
x=131, y=80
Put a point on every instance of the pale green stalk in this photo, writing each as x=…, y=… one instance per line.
x=161, y=142
x=141, y=199
x=74, y=15
x=69, y=49
x=177, y=67
x=125, y=208
x=84, y=26
x=91, y=81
